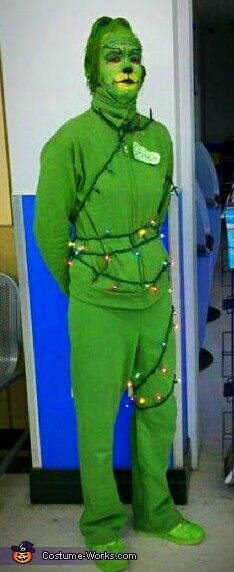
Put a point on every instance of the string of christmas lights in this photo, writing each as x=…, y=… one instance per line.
x=78, y=251
x=158, y=399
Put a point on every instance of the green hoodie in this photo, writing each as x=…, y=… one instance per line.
x=106, y=170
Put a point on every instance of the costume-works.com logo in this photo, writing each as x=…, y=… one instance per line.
x=23, y=553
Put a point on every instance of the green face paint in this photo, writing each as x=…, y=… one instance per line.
x=120, y=70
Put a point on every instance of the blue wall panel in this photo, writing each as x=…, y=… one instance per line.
x=49, y=306
x=57, y=418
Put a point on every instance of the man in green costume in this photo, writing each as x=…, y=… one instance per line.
x=108, y=171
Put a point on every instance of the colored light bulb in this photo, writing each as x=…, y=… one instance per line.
x=107, y=258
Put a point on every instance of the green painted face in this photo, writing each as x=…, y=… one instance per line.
x=120, y=70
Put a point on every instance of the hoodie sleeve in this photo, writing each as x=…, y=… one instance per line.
x=55, y=203
x=166, y=196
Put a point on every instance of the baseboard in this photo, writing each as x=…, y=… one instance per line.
x=63, y=486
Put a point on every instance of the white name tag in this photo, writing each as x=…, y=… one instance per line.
x=143, y=154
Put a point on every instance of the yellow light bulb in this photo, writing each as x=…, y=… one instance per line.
x=158, y=396
x=107, y=258
x=164, y=369
x=130, y=388
x=141, y=232
x=142, y=400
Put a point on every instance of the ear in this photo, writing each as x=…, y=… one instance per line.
x=143, y=74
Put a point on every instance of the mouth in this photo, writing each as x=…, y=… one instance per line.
x=128, y=81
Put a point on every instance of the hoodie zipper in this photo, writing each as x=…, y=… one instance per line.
x=134, y=205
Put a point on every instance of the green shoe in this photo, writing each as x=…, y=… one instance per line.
x=186, y=532
x=117, y=546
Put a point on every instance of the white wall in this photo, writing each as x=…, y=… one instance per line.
x=42, y=45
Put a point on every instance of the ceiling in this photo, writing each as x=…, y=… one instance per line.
x=216, y=13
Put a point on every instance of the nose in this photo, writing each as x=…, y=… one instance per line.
x=127, y=70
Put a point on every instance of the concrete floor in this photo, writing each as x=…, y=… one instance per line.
x=211, y=502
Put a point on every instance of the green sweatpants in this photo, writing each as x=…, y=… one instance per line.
x=109, y=346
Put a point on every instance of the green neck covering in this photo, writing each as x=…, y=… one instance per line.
x=113, y=110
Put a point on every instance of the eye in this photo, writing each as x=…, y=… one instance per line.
x=114, y=59
x=135, y=59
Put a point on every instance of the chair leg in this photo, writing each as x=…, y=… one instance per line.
x=212, y=314
x=205, y=359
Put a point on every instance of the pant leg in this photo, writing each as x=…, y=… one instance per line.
x=153, y=428
x=103, y=343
